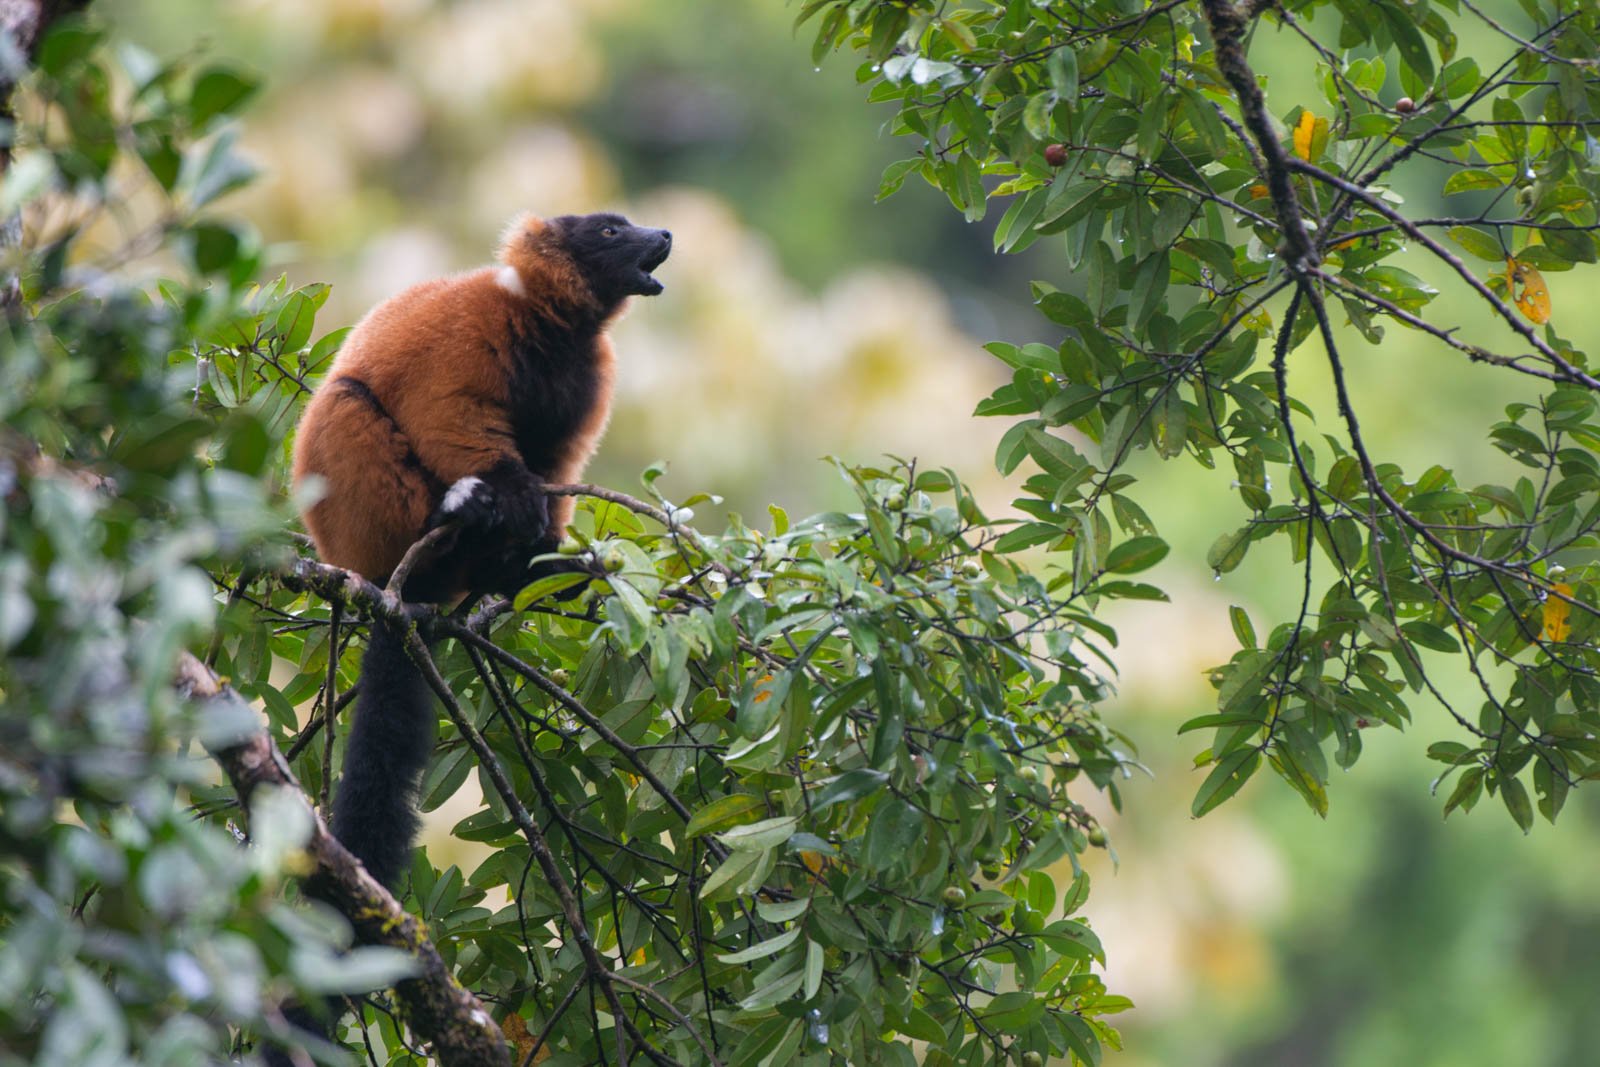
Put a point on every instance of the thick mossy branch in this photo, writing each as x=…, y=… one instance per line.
x=438, y=1008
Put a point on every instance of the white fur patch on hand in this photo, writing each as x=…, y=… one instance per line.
x=460, y=493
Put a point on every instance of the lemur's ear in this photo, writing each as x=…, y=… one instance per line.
x=524, y=229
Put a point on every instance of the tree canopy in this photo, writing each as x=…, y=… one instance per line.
x=1215, y=239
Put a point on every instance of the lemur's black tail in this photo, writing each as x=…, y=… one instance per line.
x=375, y=809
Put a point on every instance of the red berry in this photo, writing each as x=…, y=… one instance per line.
x=1405, y=105
x=1055, y=154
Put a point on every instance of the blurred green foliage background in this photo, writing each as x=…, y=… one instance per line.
x=397, y=136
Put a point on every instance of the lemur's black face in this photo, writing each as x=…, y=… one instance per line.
x=615, y=256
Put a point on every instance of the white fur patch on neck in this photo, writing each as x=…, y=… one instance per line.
x=509, y=279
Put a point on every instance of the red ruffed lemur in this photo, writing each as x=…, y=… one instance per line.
x=457, y=402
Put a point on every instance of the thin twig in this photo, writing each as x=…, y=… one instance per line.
x=330, y=704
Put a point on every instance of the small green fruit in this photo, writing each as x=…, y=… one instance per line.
x=1032, y=1059
x=614, y=560
x=1028, y=774
x=1097, y=837
x=954, y=896
x=569, y=546
x=971, y=568
x=561, y=676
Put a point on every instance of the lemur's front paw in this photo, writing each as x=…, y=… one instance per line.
x=470, y=503
x=507, y=501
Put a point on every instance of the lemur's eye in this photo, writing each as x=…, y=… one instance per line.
x=609, y=231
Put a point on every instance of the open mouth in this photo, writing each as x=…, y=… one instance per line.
x=648, y=285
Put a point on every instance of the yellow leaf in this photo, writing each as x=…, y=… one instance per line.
x=1556, y=612
x=638, y=958
x=814, y=861
x=1302, y=134
x=1534, y=299
x=1258, y=191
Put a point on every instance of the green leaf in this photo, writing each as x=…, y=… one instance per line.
x=1242, y=629
x=773, y=990
x=759, y=836
x=1226, y=779
x=1572, y=245
x=68, y=43
x=761, y=950
x=894, y=176
x=1452, y=752
x=1409, y=40
x=1515, y=796
x=1478, y=243
x=1036, y=115
x=724, y=812
x=549, y=585
x=1140, y=553
x=1431, y=636
x=218, y=91
x=1511, y=131
x=851, y=785
x=728, y=874
x=969, y=184
x=1205, y=722
x=892, y=834
x=815, y=958
x=1465, y=181
x=1062, y=68
x=1228, y=551
x=1460, y=78
x=761, y=702
x=1466, y=792
x=1012, y=1011
x=212, y=249
x=295, y=321
x=1149, y=288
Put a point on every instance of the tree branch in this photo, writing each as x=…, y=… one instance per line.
x=1228, y=25
x=438, y=1008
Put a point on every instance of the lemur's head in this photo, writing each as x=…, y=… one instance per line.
x=611, y=258
x=615, y=256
